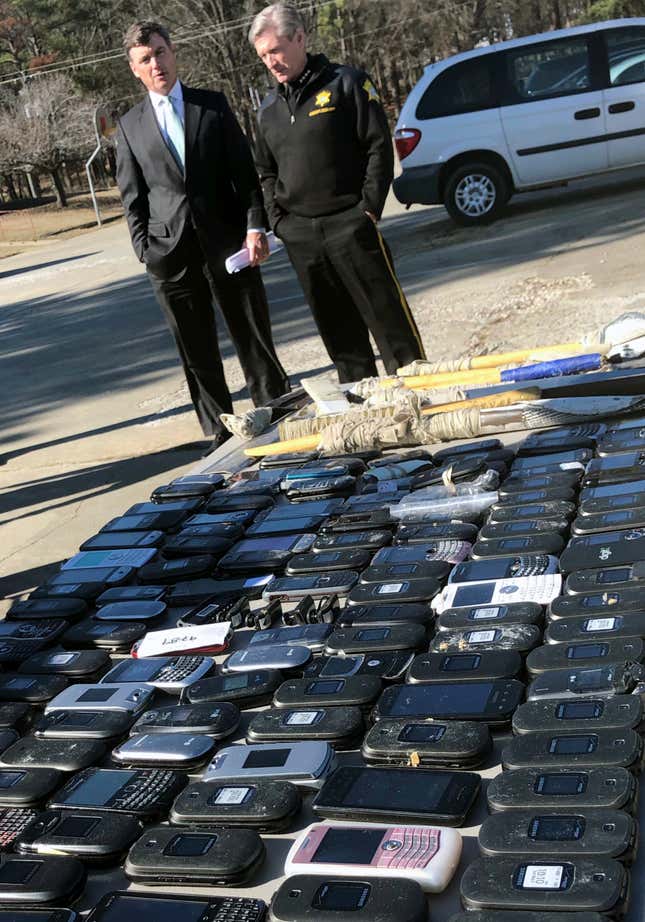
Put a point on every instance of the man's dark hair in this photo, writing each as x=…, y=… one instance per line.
x=140, y=32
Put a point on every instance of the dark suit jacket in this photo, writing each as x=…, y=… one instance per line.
x=219, y=198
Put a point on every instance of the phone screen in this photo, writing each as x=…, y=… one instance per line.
x=460, y=662
x=279, y=543
x=394, y=789
x=348, y=846
x=556, y=829
x=337, y=896
x=473, y=595
x=266, y=758
x=579, y=710
x=565, y=784
x=587, y=651
x=573, y=745
x=153, y=910
x=617, y=575
x=449, y=700
x=99, y=789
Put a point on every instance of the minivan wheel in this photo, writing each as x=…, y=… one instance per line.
x=476, y=193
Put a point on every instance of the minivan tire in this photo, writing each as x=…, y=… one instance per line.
x=476, y=193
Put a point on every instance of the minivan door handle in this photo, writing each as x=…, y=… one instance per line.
x=583, y=114
x=621, y=107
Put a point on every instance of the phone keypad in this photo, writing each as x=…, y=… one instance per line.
x=238, y=909
x=180, y=668
x=409, y=847
x=146, y=792
x=12, y=824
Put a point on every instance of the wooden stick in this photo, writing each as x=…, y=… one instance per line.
x=491, y=401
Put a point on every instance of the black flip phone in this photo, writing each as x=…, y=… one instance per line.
x=401, y=590
x=518, y=638
x=451, y=744
x=572, y=883
x=435, y=570
x=187, y=505
x=327, y=560
x=341, y=726
x=85, y=591
x=213, y=856
x=461, y=619
x=113, y=540
x=286, y=588
x=131, y=611
x=523, y=528
x=245, y=689
x=356, y=616
x=603, y=504
x=27, y=787
x=85, y=725
x=467, y=448
x=294, y=525
x=263, y=555
x=236, y=501
x=140, y=792
x=118, y=636
x=601, y=628
x=414, y=533
x=359, y=521
x=97, y=838
x=45, y=631
x=78, y=665
x=233, y=608
x=37, y=881
x=15, y=715
x=373, y=899
x=609, y=521
x=584, y=435
x=582, y=749
x=181, y=489
x=34, y=689
x=35, y=609
x=603, y=680
x=522, y=481
x=399, y=795
x=65, y=755
x=546, y=543
x=595, y=834
x=527, y=496
x=569, y=789
x=305, y=490
x=621, y=440
x=376, y=638
x=625, y=488
x=100, y=578
x=217, y=720
x=352, y=540
x=622, y=712
x=443, y=667
x=201, y=591
x=626, y=577
x=231, y=531
x=612, y=601
x=132, y=594
x=584, y=653
x=160, y=520
x=117, y=907
x=555, y=509
x=615, y=468
x=491, y=701
x=186, y=544
x=182, y=568
x=565, y=456
x=352, y=691
x=268, y=806
x=386, y=666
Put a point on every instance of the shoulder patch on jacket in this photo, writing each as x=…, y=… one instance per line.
x=371, y=90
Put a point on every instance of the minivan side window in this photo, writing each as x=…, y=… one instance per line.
x=555, y=68
x=464, y=87
x=626, y=54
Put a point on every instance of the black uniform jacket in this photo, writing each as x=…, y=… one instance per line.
x=220, y=196
x=326, y=149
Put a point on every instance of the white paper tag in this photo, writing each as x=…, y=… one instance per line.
x=231, y=795
x=301, y=718
x=601, y=624
x=543, y=877
x=481, y=636
x=481, y=613
x=390, y=587
x=182, y=639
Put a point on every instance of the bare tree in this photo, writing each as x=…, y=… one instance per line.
x=46, y=123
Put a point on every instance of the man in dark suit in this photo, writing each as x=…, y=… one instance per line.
x=192, y=197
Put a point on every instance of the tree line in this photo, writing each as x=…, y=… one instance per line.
x=61, y=59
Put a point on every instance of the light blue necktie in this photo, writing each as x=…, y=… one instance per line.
x=174, y=130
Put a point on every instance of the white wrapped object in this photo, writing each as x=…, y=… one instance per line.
x=241, y=259
x=451, y=507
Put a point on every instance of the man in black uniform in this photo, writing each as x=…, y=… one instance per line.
x=192, y=197
x=325, y=160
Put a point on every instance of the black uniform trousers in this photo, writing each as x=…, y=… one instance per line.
x=345, y=268
x=187, y=302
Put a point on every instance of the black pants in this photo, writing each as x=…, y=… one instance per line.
x=187, y=302
x=345, y=268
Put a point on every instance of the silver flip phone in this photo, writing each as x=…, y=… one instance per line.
x=306, y=764
x=130, y=698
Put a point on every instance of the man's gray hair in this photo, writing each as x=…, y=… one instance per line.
x=285, y=18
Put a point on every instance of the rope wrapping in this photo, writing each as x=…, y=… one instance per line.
x=252, y=423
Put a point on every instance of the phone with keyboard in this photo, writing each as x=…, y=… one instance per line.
x=540, y=590
x=171, y=674
x=545, y=543
x=119, y=906
x=494, y=568
x=13, y=822
x=140, y=792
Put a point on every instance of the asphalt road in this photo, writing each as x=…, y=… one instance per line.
x=94, y=407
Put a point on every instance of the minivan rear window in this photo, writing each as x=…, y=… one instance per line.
x=554, y=68
x=464, y=87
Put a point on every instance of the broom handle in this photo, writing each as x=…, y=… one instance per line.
x=311, y=442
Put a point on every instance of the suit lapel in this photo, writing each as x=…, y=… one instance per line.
x=192, y=115
x=154, y=137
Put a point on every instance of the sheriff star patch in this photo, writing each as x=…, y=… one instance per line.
x=371, y=91
x=323, y=99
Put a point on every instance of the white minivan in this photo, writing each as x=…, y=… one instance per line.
x=523, y=114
